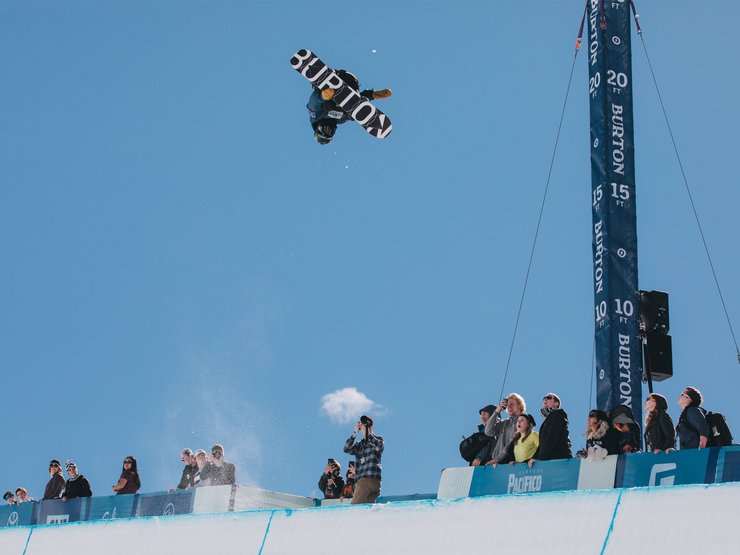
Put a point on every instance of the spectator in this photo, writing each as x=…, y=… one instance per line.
x=630, y=438
x=224, y=473
x=55, y=485
x=8, y=498
x=554, y=434
x=349, y=483
x=129, y=482
x=77, y=485
x=331, y=483
x=21, y=496
x=525, y=441
x=368, y=453
x=692, y=429
x=659, y=432
x=186, y=480
x=204, y=475
x=484, y=455
x=601, y=438
x=503, y=431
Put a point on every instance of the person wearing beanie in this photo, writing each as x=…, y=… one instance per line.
x=55, y=485
x=9, y=498
x=602, y=439
x=659, y=432
x=554, y=433
x=484, y=454
x=692, y=429
x=77, y=485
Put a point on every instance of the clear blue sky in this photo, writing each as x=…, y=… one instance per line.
x=182, y=264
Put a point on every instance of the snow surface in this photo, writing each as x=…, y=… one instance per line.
x=677, y=519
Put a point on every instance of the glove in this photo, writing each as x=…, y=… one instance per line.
x=327, y=94
x=383, y=93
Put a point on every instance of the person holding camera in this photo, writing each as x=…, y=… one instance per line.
x=367, y=454
x=503, y=431
x=224, y=472
x=331, y=482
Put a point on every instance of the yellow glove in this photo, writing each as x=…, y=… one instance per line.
x=383, y=93
x=327, y=94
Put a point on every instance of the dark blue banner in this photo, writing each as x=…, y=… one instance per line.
x=617, y=341
x=159, y=504
x=519, y=478
x=56, y=511
x=688, y=466
x=114, y=506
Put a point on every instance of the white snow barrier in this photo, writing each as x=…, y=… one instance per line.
x=667, y=518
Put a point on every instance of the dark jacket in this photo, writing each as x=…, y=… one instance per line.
x=554, y=437
x=691, y=425
x=77, y=487
x=224, y=475
x=188, y=472
x=660, y=434
x=605, y=437
x=322, y=111
x=54, y=487
x=133, y=482
x=332, y=490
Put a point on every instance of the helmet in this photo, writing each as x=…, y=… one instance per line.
x=323, y=133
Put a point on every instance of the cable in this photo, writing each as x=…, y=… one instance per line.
x=691, y=198
x=537, y=230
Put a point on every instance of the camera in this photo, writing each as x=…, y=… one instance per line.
x=505, y=402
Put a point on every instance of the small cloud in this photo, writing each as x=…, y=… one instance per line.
x=346, y=405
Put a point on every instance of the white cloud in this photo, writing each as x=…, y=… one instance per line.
x=346, y=405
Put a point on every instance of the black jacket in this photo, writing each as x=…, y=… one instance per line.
x=187, y=476
x=77, y=487
x=334, y=490
x=661, y=434
x=605, y=437
x=554, y=438
x=54, y=487
x=224, y=475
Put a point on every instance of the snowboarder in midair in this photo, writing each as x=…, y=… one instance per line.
x=324, y=113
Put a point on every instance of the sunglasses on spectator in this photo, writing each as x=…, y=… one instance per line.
x=685, y=394
x=549, y=397
x=53, y=466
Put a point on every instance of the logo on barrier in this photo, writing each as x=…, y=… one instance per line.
x=57, y=519
x=13, y=519
x=524, y=484
x=169, y=509
x=662, y=474
x=108, y=515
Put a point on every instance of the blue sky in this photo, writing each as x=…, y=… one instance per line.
x=183, y=265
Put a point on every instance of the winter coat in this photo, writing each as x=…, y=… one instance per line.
x=224, y=475
x=188, y=472
x=77, y=487
x=554, y=437
x=503, y=431
x=133, y=483
x=54, y=487
x=332, y=490
x=320, y=110
x=604, y=441
x=691, y=425
x=660, y=435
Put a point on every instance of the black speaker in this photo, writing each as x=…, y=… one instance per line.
x=654, y=311
x=660, y=356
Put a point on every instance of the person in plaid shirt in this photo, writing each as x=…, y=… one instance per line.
x=367, y=453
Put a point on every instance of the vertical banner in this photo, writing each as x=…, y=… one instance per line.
x=617, y=341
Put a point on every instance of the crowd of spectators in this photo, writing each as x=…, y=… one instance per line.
x=513, y=440
x=203, y=470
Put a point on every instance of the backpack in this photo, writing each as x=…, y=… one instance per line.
x=719, y=431
x=471, y=446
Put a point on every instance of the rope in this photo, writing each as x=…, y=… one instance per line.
x=537, y=230
x=691, y=198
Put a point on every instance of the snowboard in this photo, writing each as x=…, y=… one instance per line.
x=346, y=98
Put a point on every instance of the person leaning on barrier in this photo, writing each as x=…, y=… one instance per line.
x=129, y=482
x=601, y=438
x=504, y=430
x=659, y=432
x=331, y=483
x=224, y=473
x=77, y=485
x=9, y=498
x=554, y=434
x=367, y=454
x=692, y=428
x=21, y=496
x=484, y=455
x=55, y=485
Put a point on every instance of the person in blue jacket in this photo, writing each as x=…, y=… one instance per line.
x=324, y=113
x=692, y=428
